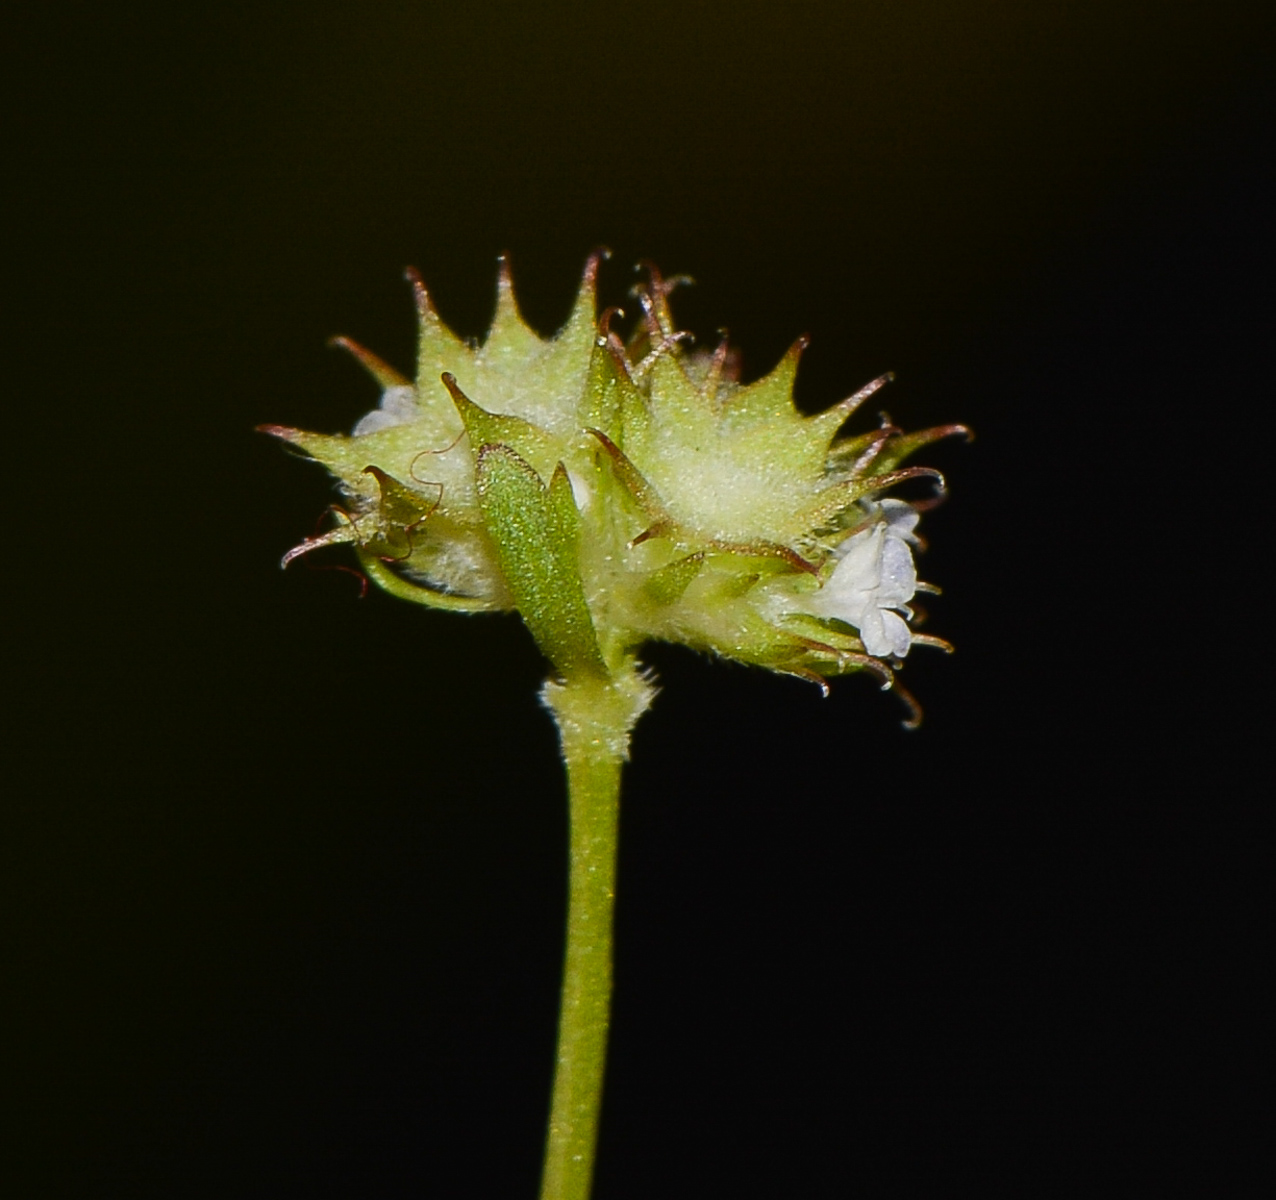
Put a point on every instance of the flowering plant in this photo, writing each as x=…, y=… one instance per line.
x=614, y=492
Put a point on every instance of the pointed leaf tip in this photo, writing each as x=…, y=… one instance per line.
x=420, y=293
x=851, y=403
x=334, y=537
x=484, y=428
x=510, y=340
x=377, y=367
x=506, y=301
x=770, y=397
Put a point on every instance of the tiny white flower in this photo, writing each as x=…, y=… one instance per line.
x=875, y=579
x=398, y=406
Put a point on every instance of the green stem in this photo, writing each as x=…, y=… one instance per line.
x=594, y=718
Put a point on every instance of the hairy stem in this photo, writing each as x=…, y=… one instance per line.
x=594, y=718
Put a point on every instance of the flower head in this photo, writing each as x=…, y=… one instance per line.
x=615, y=491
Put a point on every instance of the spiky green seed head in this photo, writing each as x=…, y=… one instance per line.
x=614, y=492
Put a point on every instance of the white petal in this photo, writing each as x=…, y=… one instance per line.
x=849, y=592
x=895, y=634
x=885, y=633
x=873, y=632
x=398, y=407
x=901, y=518
x=898, y=575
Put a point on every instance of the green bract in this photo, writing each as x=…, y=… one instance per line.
x=614, y=492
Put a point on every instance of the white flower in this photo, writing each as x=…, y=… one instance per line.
x=874, y=580
x=398, y=407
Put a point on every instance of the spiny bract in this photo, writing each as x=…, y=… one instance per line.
x=615, y=492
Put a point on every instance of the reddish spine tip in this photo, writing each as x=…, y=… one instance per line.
x=596, y=256
x=280, y=431
x=420, y=294
x=604, y=322
x=458, y=397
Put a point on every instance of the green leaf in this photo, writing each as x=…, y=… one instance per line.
x=667, y=585
x=610, y=402
x=485, y=428
x=536, y=531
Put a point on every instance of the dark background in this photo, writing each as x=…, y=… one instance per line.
x=282, y=872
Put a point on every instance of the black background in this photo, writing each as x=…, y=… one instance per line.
x=282, y=872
